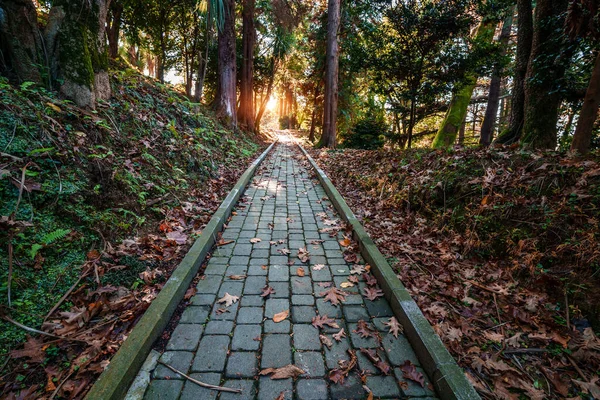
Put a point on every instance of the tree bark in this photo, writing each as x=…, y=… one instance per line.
x=457, y=111
x=589, y=112
x=524, y=41
x=411, y=122
x=544, y=75
x=491, y=111
x=75, y=36
x=113, y=29
x=328, y=138
x=246, y=110
x=21, y=46
x=225, y=104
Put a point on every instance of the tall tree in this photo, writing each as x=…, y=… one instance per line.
x=113, y=28
x=225, y=101
x=328, y=138
x=524, y=39
x=246, y=110
x=582, y=21
x=491, y=111
x=457, y=111
x=549, y=54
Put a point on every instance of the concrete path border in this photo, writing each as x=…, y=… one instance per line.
x=448, y=378
x=125, y=364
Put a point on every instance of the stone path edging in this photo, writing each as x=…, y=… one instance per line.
x=115, y=380
x=448, y=378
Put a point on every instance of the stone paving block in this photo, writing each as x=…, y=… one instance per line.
x=274, y=306
x=228, y=315
x=281, y=259
x=239, y=260
x=354, y=299
x=234, y=288
x=414, y=389
x=242, y=365
x=276, y=351
x=398, y=350
x=301, y=285
x=250, y=315
x=185, y=337
x=337, y=262
x=311, y=389
x=260, y=253
x=258, y=270
x=302, y=300
x=252, y=301
x=306, y=337
x=303, y=314
x=355, y=313
x=331, y=244
x=351, y=389
x=211, y=354
x=321, y=275
x=339, y=269
x=215, y=269
x=254, y=284
x=279, y=272
x=282, y=289
x=218, y=328
x=364, y=364
x=179, y=360
x=318, y=260
x=248, y=389
x=326, y=308
x=277, y=327
x=311, y=362
x=236, y=270
x=246, y=337
x=379, y=308
x=338, y=351
x=383, y=386
x=203, y=300
x=195, y=315
x=338, y=280
x=163, y=389
x=210, y=284
x=269, y=389
x=248, y=233
x=191, y=391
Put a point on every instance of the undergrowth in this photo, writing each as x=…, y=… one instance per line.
x=91, y=178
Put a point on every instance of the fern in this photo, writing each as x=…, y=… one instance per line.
x=54, y=236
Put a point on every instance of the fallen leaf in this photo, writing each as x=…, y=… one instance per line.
x=345, y=242
x=338, y=375
x=237, y=277
x=281, y=316
x=228, y=299
x=281, y=396
x=190, y=293
x=370, y=279
x=289, y=371
x=372, y=293
x=357, y=269
x=380, y=364
x=326, y=341
x=285, y=252
x=255, y=240
x=334, y=295
x=318, y=267
x=364, y=330
x=224, y=242
x=409, y=371
x=267, y=291
x=354, y=279
x=221, y=311
x=395, y=327
x=321, y=320
x=345, y=285
x=303, y=255
x=300, y=271
x=338, y=336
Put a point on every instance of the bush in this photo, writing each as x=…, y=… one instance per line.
x=368, y=133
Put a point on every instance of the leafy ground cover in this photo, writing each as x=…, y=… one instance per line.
x=96, y=208
x=500, y=249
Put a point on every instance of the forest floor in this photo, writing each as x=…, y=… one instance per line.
x=500, y=249
x=97, y=208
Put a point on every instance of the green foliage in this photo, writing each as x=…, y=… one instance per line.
x=367, y=133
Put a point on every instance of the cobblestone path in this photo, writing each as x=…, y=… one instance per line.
x=229, y=346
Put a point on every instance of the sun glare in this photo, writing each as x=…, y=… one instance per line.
x=272, y=103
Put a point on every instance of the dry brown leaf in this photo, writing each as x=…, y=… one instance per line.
x=300, y=271
x=237, y=277
x=267, y=291
x=224, y=242
x=228, y=299
x=255, y=240
x=334, y=295
x=396, y=327
x=321, y=320
x=345, y=285
x=372, y=293
x=345, y=242
x=409, y=371
x=289, y=371
x=326, y=341
x=318, y=267
x=281, y=316
x=303, y=255
x=338, y=336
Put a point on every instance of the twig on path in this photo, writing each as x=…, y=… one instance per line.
x=579, y=371
x=60, y=385
x=567, y=310
x=527, y=350
x=197, y=382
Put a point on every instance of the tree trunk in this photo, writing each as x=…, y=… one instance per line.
x=246, y=110
x=113, y=29
x=491, y=111
x=589, y=112
x=328, y=138
x=524, y=41
x=544, y=75
x=21, y=47
x=203, y=61
x=225, y=104
x=411, y=122
x=457, y=111
x=75, y=36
